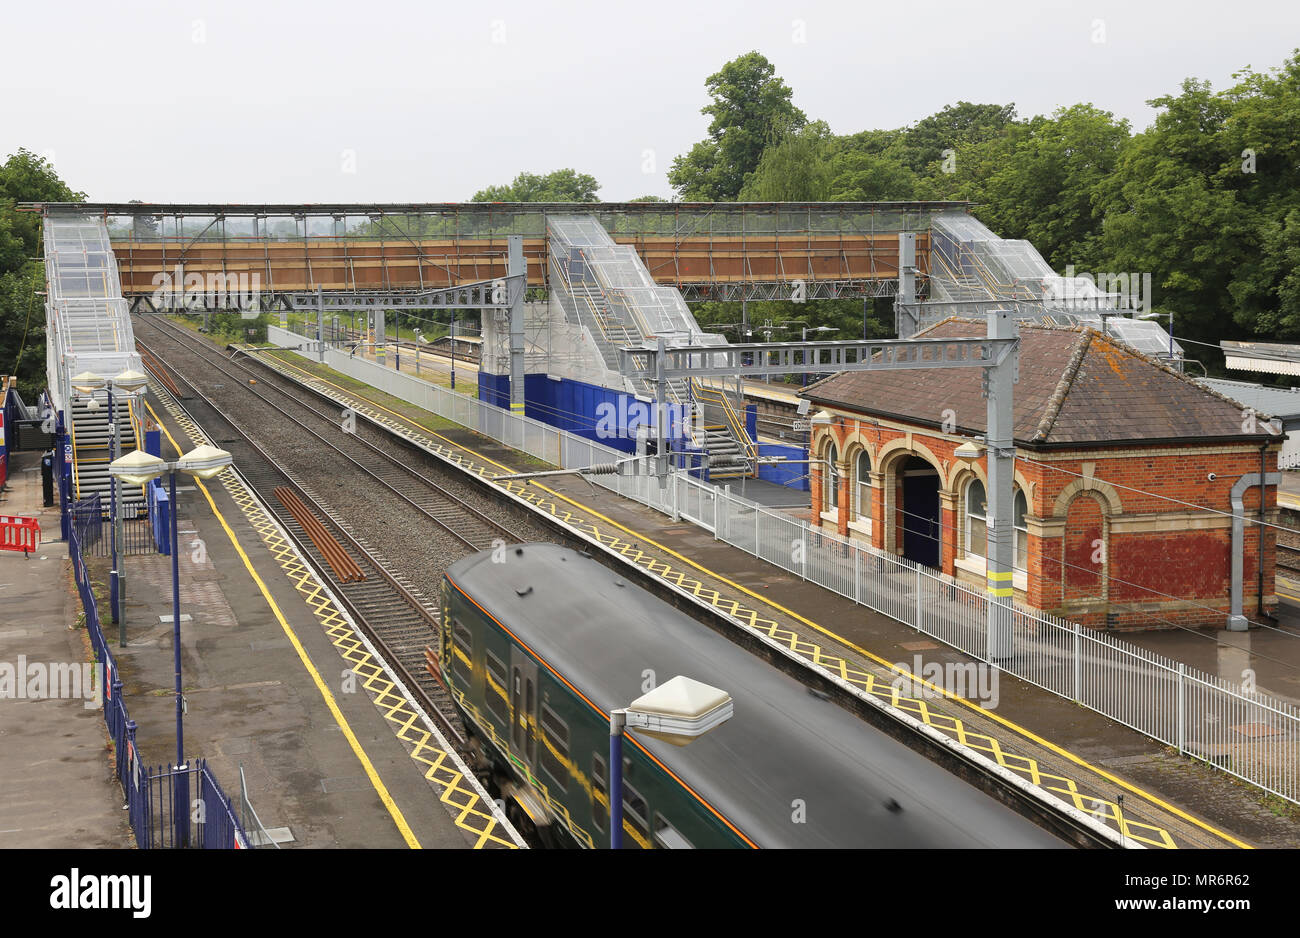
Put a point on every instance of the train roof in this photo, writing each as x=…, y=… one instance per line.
x=789, y=768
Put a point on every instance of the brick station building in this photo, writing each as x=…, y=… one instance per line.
x=1101, y=432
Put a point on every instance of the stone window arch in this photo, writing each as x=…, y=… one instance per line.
x=830, y=478
x=975, y=523
x=862, y=485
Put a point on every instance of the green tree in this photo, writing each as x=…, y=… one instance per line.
x=562, y=185
x=794, y=168
x=1165, y=215
x=751, y=108
x=24, y=177
x=1039, y=179
x=957, y=125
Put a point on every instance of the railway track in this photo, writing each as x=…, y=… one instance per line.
x=468, y=525
x=395, y=615
x=1288, y=558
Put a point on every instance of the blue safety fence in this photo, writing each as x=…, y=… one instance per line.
x=152, y=795
x=159, y=515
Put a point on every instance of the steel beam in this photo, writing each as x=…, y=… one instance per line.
x=501, y=293
x=771, y=358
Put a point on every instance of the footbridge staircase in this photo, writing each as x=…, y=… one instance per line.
x=88, y=329
x=607, y=289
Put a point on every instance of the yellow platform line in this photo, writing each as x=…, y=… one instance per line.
x=1067, y=789
x=422, y=746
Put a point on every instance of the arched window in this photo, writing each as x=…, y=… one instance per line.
x=831, y=479
x=977, y=533
x=977, y=524
x=863, y=488
x=1021, y=509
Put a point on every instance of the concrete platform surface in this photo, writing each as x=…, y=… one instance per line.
x=57, y=782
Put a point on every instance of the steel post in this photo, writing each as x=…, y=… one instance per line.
x=905, y=320
x=180, y=809
x=515, y=266
x=320, y=322
x=999, y=381
x=617, y=720
x=661, y=414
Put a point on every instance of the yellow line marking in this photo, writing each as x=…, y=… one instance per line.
x=812, y=651
x=375, y=780
x=439, y=768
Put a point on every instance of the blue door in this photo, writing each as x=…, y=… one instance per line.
x=921, y=512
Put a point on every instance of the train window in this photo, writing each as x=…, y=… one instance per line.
x=496, y=688
x=529, y=709
x=462, y=652
x=555, y=746
x=516, y=698
x=635, y=812
x=667, y=837
x=599, y=794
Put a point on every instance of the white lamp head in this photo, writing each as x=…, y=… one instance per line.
x=131, y=380
x=969, y=451
x=204, y=462
x=87, y=381
x=137, y=467
x=679, y=710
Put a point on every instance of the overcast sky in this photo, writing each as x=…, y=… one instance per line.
x=331, y=101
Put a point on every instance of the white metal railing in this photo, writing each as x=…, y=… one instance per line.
x=1250, y=734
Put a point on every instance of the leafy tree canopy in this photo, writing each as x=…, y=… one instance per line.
x=750, y=109
x=563, y=185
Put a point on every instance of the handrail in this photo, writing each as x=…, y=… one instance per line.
x=717, y=396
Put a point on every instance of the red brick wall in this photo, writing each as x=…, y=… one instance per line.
x=1142, y=566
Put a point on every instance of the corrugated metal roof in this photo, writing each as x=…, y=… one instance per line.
x=1275, y=402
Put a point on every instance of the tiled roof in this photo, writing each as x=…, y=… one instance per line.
x=1076, y=387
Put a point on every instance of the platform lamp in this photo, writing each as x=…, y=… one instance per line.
x=1153, y=314
x=140, y=468
x=678, y=712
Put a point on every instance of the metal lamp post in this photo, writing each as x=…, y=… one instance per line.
x=677, y=712
x=139, y=468
x=1170, y=314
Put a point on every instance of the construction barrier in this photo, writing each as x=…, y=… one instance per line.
x=18, y=533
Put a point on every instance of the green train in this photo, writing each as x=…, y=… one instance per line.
x=539, y=645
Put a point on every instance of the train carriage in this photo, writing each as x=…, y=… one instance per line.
x=540, y=644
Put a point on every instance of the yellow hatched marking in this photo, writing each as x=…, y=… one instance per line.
x=1099, y=807
x=469, y=813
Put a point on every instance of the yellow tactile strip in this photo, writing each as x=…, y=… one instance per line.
x=1100, y=806
x=440, y=768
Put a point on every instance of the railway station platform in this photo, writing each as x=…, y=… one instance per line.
x=277, y=682
x=1128, y=781
x=57, y=783
x=1089, y=760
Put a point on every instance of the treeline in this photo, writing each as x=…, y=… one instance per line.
x=24, y=177
x=1206, y=199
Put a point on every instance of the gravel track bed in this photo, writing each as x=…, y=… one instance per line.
x=410, y=543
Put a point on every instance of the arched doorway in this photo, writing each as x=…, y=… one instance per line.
x=919, y=501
